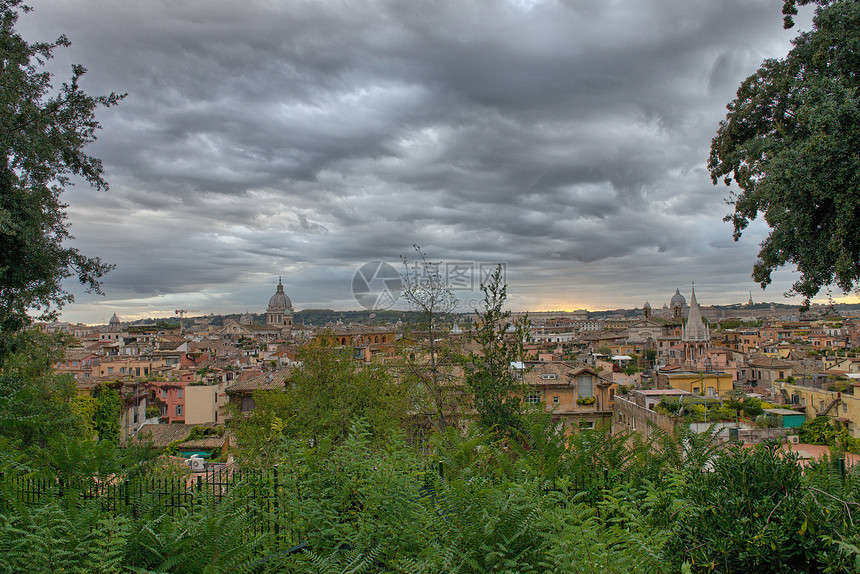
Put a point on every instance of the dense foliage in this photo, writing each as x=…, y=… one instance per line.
x=318, y=403
x=43, y=133
x=597, y=503
x=35, y=403
x=790, y=141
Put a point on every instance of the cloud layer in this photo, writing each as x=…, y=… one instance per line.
x=565, y=138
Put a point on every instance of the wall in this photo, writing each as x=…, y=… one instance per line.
x=205, y=404
x=811, y=398
x=688, y=381
x=628, y=416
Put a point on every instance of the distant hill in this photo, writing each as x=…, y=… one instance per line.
x=320, y=317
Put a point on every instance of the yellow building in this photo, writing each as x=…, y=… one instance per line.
x=709, y=384
x=576, y=395
x=132, y=366
x=842, y=408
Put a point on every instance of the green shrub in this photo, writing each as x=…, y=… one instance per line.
x=817, y=431
x=752, y=407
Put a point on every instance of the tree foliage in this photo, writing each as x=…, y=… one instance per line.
x=818, y=430
x=321, y=399
x=495, y=387
x=43, y=133
x=35, y=402
x=789, y=142
x=107, y=411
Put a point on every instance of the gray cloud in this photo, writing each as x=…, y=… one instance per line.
x=565, y=138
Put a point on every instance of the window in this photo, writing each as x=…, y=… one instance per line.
x=586, y=425
x=549, y=377
x=633, y=423
x=695, y=390
x=179, y=393
x=555, y=400
x=585, y=386
x=533, y=398
x=110, y=370
x=163, y=410
x=163, y=393
x=179, y=410
x=247, y=404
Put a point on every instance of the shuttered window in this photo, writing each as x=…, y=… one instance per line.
x=585, y=386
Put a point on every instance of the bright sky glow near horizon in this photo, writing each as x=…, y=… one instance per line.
x=567, y=139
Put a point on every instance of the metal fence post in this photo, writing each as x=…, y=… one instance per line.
x=198, y=492
x=275, y=506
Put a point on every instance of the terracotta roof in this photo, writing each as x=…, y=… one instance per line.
x=77, y=354
x=163, y=435
x=208, y=442
x=768, y=362
x=261, y=382
x=563, y=371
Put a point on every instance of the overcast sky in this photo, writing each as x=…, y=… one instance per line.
x=566, y=139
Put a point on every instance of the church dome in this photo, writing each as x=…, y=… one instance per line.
x=678, y=300
x=114, y=321
x=280, y=301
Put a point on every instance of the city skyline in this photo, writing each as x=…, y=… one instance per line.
x=568, y=141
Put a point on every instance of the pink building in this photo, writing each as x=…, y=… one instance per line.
x=171, y=396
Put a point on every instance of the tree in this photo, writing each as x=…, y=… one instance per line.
x=321, y=399
x=35, y=402
x=429, y=362
x=790, y=143
x=43, y=134
x=107, y=411
x=495, y=387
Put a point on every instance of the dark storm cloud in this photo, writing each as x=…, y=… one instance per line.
x=565, y=138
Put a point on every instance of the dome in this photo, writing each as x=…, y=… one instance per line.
x=280, y=301
x=678, y=300
x=647, y=305
x=114, y=320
